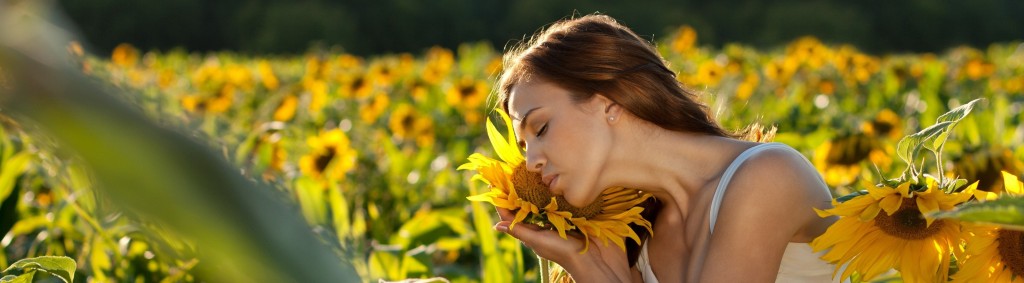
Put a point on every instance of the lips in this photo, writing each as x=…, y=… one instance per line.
x=548, y=179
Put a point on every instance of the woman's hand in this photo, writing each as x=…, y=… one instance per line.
x=600, y=263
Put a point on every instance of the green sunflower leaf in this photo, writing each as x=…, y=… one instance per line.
x=1007, y=212
x=24, y=278
x=958, y=113
x=61, y=266
x=910, y=145
x=954, y=116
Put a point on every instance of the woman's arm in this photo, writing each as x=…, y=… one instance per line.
x=600, y=263
x=768, y=203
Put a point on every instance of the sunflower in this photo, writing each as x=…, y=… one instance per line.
x=709, y=74
x=993, y=254
x=515, y=188
x=124, y=55
x=748, y=86
x=331, y=156
x=371, y=109
x=901, y=238
x=886, y=124
x=286, y=110
x=685, y=39
x=267, y=76
x=407, y=124
x=839, y=160
x=467, y=95
x=984, y=165
x=439, y=62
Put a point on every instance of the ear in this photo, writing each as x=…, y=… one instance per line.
x=612, y=110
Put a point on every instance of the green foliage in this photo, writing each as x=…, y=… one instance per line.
x=60, y=266
x=1006, y=212
x=932, y=138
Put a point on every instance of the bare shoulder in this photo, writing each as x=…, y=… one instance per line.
x=779, y=172
x=768, y=201
x=775, y=184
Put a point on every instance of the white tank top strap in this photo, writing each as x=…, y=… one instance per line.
x=644, y=265
x=716, y=202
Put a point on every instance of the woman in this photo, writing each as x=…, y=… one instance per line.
x=594, y=106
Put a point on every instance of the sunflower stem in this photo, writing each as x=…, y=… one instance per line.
x=545, y=269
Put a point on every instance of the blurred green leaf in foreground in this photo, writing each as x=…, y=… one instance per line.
x=242, y=230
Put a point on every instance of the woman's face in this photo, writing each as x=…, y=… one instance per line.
x=567, y=142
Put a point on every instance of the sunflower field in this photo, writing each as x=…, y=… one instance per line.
x=365, y=150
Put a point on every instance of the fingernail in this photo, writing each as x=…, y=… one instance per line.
x=501, y=227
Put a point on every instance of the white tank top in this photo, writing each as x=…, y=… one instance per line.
x=799, y=262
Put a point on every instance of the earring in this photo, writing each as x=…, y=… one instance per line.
x=611, y=118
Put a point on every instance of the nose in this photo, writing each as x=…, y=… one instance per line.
x=534, y=160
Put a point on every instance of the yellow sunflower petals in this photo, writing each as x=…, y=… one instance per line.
x=891, y=203
x=870, y=212
x=1012, y=185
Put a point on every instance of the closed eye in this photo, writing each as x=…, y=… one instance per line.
x=543, y=129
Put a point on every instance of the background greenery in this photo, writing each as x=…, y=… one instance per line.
x=191, y=166
x=376, y=27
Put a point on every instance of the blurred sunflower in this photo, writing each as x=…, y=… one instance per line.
x=515, y=188
x=439, y=62
x=330, y=157
x=748, y=86
x=976, y=69
x=685, y=39
x=317, y=90
x=369, y=112
x=709, y=74
x=984, y=165
x=223, y=100
x=993, y=254
x=267, y=76
x=467, y=95
x=839, y=159
x=124, y=55
x=382, y=72
x=418, y=89
x=901, y=238
x=886, y=124
x=358, y=86
x=286, y=110
x=809, y=50
x=407, y=124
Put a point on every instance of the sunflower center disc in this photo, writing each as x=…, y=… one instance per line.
x=588, y=211
x=907, y=223
x=324, y=160
x=530, y=187
x=1011, y=249
x=850, y=150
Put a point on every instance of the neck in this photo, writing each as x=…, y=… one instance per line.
x=673, y=166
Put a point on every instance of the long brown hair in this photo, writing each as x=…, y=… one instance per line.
x=594, y=54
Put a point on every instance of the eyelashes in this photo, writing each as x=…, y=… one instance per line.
x=543, y=129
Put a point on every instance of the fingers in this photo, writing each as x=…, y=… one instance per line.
x=505, y=214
